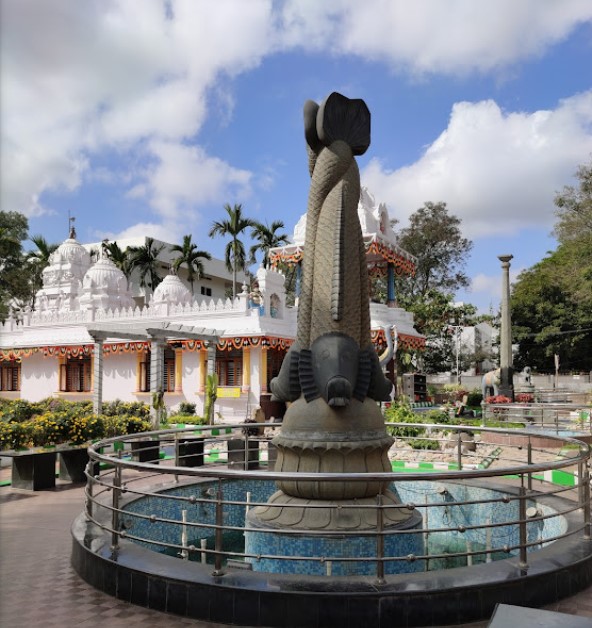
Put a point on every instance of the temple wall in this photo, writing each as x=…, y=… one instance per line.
x=119, y=377
x=39, y=377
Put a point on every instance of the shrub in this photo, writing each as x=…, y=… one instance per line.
x=498, y=399
x=424, y=443
x=190, y=419
x=474, y=398
x=186, y=408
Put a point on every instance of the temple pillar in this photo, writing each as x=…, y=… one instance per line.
x=156, y=373
x=391, y=295
x=506, y=387
x=97, y=386
x=246, y=383
x=179, y=370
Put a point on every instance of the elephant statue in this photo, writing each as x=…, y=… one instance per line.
x=490, y=383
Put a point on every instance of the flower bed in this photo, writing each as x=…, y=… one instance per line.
x=52, y=422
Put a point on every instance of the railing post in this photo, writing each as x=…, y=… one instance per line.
x=459, y=450
x=90, y=480
x=218, y=536
x=379, y=540
x=529, y=462
x=115, y=505
x=523, y=564
x=586, y=500
x=246, y=430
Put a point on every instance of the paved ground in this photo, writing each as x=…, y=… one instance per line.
x=39, y=588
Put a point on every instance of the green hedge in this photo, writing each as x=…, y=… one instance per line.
x=55, y=422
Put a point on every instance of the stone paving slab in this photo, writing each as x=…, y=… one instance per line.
x=38, y=587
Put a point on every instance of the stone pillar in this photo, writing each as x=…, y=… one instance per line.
x=211, y=366
x=246, y=383
x=391, y=296
x=263, y=370
x=202, y=371
x=506, y=387
x=156, y=373
x=178, y=370
x=98, y=377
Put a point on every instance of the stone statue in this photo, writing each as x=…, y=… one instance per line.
x=333, y=356
x=490, y=383
x=331, y=375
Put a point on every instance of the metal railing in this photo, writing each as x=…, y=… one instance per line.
x=205, y=505
x=558, y=417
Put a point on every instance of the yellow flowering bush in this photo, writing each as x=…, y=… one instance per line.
x=56, y=422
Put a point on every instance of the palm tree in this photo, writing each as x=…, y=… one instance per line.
x=233, y=226
x=38, y=260
x=120, y=258
x=267, y=239
x=192, y=257
x=145, y=259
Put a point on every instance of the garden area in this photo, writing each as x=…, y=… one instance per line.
x=52, y=422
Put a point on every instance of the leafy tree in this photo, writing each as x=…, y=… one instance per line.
x=436, y=317
x=38, y=260
x=234, y=225
x=552, y=301
x=15, y=283
x=574, y=209
x=145, y=259
x=435, y=239
x=267, y=238
x=192, y=257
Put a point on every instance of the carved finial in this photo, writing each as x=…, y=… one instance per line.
x=71, y=220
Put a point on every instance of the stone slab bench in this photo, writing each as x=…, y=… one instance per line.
x=35, y=469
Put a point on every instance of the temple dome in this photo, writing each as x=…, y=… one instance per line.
x=105, y=287
x=62, y=277
x=171, y=290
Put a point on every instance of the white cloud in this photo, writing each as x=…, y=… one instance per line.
x=82, y=78
x=185, y=177
x=164, y=232
x=423, y=36
x=497, y=171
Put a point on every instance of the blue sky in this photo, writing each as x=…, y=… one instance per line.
x=145, y=117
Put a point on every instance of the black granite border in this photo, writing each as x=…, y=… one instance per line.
x=240, y=597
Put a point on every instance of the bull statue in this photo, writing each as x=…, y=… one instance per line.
x=490, y=383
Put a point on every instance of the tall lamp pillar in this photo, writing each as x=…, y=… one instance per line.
x=506, y=387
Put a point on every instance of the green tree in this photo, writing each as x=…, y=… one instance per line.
x=234, y=225
x=435, y=239
x=552, y=301
x=145, y=259
x=574, y=209
x=192, y=257
x=267, y=238
x=38, y=260
x=15, y=284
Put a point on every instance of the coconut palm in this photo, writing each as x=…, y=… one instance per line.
x=192, y=257
x=233, y=226
x=39, y=259
x=145, y=259
x=120, y=258
x=267, y=238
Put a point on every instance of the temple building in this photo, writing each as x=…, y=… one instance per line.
x=94, y=335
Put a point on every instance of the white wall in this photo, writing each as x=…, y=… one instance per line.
x=39, y=377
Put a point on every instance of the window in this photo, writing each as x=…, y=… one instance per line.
x=229, y=367
x=75, y=375
x=169, y=371
x=206, y=292
x=10, y=376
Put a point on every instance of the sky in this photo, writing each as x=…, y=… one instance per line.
x=145, y=117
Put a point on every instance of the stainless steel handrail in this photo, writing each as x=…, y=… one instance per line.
x=107, y=489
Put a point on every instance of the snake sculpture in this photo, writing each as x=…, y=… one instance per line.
x=333, y=356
